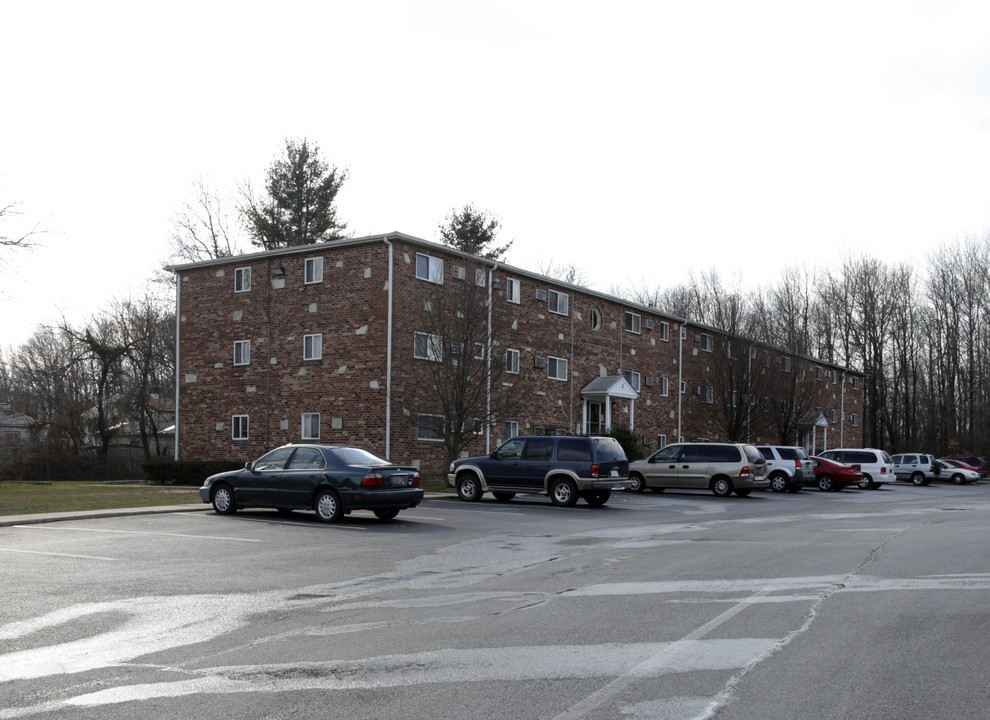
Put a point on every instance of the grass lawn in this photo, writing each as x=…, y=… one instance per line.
x=25, y=499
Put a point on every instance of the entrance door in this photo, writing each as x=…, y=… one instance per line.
x=596, y=418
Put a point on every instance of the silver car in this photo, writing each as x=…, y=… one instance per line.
x=723, y=468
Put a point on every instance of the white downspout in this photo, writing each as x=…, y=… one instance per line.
x=488, y=364
x=178, y=344
x=842, y=412
x=388, y=357
x=680, y=377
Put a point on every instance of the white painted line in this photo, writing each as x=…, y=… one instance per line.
x=54, y=554
x=130, y=532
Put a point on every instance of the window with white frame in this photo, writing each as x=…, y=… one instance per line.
x=310, y=426
x=479, y=277
x=855, y=382
x=429, y=427
x=242, y=352
x=242, y=279
x=556, y=368
x=313, y=272
x=663, y=387
x=665, y=331
x=479, y=351
x=427, y=347
x=785, y=363
x=733, y=399
x=239, y=427
x=429, y=268
x=634, y=322
x=595, y=318
x=854, y=419
x=557, y=302
x=683, y=387
x=707, y=343
x=819, y=373
x=834, y=415
x=733, y=350
x=512, y=361
x=707, y=394
x=511, y=429
x=661, y=441
x=632, y=378
x=513, y=290
x=313, y=347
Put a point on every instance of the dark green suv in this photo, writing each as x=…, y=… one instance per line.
x=565, y=467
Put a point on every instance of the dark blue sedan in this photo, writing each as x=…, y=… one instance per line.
x=333, y=480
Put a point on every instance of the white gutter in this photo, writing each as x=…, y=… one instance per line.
x=178, y=344
x=388, y=356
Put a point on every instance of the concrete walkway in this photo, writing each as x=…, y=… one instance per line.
x=7, y=520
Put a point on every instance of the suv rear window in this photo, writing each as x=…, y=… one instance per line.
x=608, y=449
x=573, y=450
x=790, y=453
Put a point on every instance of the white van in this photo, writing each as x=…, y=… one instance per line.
x=876, y=465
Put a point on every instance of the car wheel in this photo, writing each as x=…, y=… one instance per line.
x=744, y=493
x=469, y=487
x=866, y=483
x=722, y=487
x=958, y=479
x=223, y=500
x=826, y=483
x=778, y=482
x=597, y=498
x=918, y=479
x=385, y=513
x=563, y=491
x=328, y=507
x=504, y=496
x=638, y=484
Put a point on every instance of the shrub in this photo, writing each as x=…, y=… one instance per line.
x=186, y=472
x=629, y=441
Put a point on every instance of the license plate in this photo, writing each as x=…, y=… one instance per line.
x=614, y=473
x=398, y=479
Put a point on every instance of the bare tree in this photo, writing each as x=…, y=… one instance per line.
x=204, y=227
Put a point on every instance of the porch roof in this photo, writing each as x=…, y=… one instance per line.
x=611, y=386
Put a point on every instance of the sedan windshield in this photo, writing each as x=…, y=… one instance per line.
x=358, y=456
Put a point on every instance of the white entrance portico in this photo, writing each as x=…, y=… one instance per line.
x=596, y=403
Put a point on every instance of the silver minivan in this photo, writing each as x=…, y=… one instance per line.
x=723, y=468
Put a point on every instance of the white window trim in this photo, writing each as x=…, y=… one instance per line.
x=665, y=331
x=419, y=427
x=479, y=277
x=512, y=368
x=633, y=322
x=434, y=269
x=316, y=276
x=242, y=277
x=707, y=394
x=513, y=290
x=479, y=351
x=664, y=388
x=557, y=295
x=557, y=363
x=307, y=427
x=316, y=346
x=236, y=423
x=707, y=342
x=434, y=347
x=245, y=348
x=634, y=379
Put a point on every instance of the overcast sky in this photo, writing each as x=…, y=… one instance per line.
x=639, y=141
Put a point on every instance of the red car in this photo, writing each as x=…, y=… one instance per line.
x=833, y=476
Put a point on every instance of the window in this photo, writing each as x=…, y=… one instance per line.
x=819, y=373
x=513, y=290
x=733, y=350
x=314, y=271
x=785, y=363
x=633, y=322
x=456, y=348
x=556, y=368
x=310, y=426
x=683, y=387
x=512, y=361
x=596, y=319
x=665, y=331
x=707, y=394
x=833, y=416
x=706, y=342
x=511, y=429
x=479, y=351
x=854, y=419
x=479, y=277
x=239, y=427
x=557, y=302
x=683, y=333
x=429, y=268
x=242, y=352
x=427, y=347
x=242, y=280
x=313, y=347
x=733, y=399
x=661, y=442
x=855, y=382
x=632, y=378
x=664, y=387
x=429, y=427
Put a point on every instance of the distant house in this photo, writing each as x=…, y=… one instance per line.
x=328, y=343
x=14, y=427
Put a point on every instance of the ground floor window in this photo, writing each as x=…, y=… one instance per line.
x=429, y=427
x=311, y=426
x=239, y=427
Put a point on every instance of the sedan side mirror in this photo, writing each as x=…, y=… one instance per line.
x=249, y=466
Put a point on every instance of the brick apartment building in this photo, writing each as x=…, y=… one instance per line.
x=336, y=342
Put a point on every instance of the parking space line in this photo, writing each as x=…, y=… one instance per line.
x=131, y=532
x=55, y=554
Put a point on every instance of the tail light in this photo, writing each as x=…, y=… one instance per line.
x=415, y=480
x=744, y=473
x=595, y=471
x=883, y=469
x=857, y=468
x=372, y=479
x=797, y=464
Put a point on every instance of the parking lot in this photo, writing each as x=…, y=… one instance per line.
x=673, y=605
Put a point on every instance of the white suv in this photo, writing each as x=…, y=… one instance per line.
x=876, y=465
x=919, y=468
x=789, y=468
